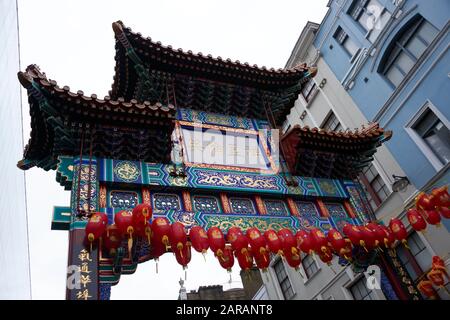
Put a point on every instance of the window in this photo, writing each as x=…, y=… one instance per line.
x=283, y=280
x=360, y=291
x=332, y=123
x=345, y=41
x=370, y=15
x=435, y=134
x=242, y=206
x=307, y=209
x=308, y=90
x=285, y=127
x=407, y=49
x=309, y=265
x=417, y=259
x=276, y=207
x=123, y=199
x=163, y=202
x=376, y=190
x=206, y=204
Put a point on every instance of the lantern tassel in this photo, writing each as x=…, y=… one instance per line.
x=405, y=243
x=324, y=250
x=156, y=260
x=130, y=245
x=185, y=273
x=204, y=255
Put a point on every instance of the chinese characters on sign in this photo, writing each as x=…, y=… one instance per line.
x=82, y=271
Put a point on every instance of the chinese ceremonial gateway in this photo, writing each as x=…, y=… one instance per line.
x=193, y=137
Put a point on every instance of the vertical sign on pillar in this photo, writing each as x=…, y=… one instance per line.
x=82, y=271
x=82, y=275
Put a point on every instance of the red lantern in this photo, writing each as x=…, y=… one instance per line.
x=124, y=221
x=304, y=241
x=157, y=249
x=426, y=288
x=326, y=256
x=370, y=237
x=183, y=255
x=112, y=240
x=441, y=197
x=423, y=202
x=389, y=237
x=257, y=242
x=378, y=232
x=262, y=259
x=142, y=213
x=199, y=239
x=398, y=229
x=293, y=260
x=238, y=241
x=288, y=242
x=216, y=241
x=338, y=243
x=320, y=242
x=160, y=232
x=177, y=237
x=96, y=226
x=245, y=260
x=273, y=242
x=444, y=212
x=355, y=235
x=437, y=277
x=439, y=264
x=432, y=217
x=416, y=220
x=227, y=260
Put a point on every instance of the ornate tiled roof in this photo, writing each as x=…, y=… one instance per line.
x=61, y=120
x=148, y=70
x=332, y=154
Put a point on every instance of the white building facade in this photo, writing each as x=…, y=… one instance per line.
x=325, y=103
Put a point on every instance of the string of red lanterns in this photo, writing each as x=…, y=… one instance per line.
x=253, y=246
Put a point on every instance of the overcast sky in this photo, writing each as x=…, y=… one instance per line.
x=73, y=43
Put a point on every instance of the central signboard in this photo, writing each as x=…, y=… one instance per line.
x=224, y=147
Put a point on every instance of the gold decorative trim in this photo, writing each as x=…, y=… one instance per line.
x=292, y=207
x=187, y=200
x=102, y=196
x=146, y=196
x=260, y=205
x=323, y=209
x=349, y=208
x=225, y=204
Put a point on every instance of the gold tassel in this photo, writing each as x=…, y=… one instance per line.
x=130, y=245
x=405, y=243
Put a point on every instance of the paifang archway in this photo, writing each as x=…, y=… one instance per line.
x=140, y=145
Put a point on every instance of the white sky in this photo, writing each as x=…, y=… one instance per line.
x=73, y=43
